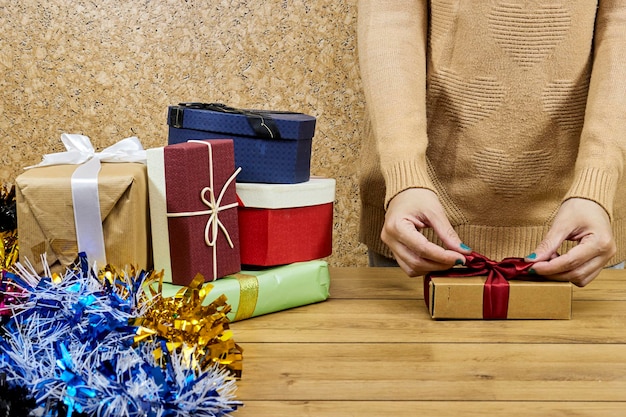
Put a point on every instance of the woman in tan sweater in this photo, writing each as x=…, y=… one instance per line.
x=498, y=125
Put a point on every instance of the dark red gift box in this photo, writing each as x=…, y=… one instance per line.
x=193, y=209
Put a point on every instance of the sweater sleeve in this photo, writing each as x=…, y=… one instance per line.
x=392, y=58
x=600, y=162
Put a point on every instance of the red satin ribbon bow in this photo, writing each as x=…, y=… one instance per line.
x=496, y=289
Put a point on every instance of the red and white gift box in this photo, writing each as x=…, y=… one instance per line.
x=193, y=210
x=285, y=223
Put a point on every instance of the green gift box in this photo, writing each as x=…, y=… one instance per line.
x=253, y=293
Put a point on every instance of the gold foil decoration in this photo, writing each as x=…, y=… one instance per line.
x=8, y=249
x=248, y=296
x=8, y=228
x=199, y=333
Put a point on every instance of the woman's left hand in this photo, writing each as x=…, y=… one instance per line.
x=587, y=223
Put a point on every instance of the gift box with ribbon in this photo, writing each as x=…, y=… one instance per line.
x=253, y=293
x=285, y=223
x=71, y=203
x=270, y=146
x=193, y=210
x=485, y=289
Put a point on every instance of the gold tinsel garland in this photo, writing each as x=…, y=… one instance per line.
x=200, y=333
x=8, y=228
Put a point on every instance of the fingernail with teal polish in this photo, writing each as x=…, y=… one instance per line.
x=458, y=262
x=465, y=247
x=532, y=271
x=532, y=256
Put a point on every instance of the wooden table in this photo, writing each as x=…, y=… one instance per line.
x=372, y=350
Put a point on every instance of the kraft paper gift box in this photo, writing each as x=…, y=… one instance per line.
x=495, y=297
x=285, y=223
x=462, y=298
x=252, y=293
x=270, y=146
x=193, y=210
x=45, y=215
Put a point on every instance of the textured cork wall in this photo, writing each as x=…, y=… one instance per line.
x=109, y=69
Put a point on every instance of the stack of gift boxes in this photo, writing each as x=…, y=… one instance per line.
x=230, y=197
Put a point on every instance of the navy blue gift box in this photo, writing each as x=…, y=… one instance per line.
x=270, y=146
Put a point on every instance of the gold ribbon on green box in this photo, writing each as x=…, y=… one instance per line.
x=253, y=293
x=248, y=294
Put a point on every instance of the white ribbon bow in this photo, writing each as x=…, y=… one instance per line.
x=214, y=207
x=80, y=151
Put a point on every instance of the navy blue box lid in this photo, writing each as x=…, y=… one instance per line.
x=219, y=118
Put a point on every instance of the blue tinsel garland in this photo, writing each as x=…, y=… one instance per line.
x=68, y=350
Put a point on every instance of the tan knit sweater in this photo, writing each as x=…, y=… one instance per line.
x=504, y=108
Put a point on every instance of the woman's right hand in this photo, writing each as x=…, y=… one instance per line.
x=407, y=214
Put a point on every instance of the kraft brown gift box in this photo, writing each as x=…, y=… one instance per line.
x=462, y=298
x=45, y=215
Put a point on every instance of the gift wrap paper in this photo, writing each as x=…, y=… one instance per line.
x=462, y=298
x=45, y=215
x=193, y=210
x=253, y=293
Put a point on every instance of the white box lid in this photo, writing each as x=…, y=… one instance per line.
x=316, y=191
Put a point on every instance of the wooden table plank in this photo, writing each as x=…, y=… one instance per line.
x=372, y=349
x=408, y=321
x=433, y=372
x=429, y=408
